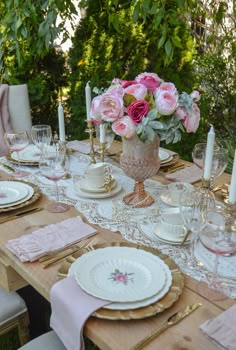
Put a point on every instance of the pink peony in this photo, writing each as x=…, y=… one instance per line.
x=150, y=80
x=124, y=127
x=139, y=91
x=189, y=121
x=111, y=107
x=94, y=111
x=166, y=102
x=170, y=87
x=195, y=95
x=126, y=83
x=137, y=110
x=116, y=89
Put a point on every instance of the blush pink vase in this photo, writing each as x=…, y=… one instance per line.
x=140, y=161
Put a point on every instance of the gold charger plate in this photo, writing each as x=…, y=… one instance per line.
x=34, y=198
x=147, y=311
x=14, y=161
x=171, y=162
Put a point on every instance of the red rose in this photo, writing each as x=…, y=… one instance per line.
x=137, y=110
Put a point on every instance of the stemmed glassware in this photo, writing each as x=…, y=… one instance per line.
x=219, y=161
x=41, y=135
x=16, y=142
x=193, y=204
x=54, y=165
x=220, y=239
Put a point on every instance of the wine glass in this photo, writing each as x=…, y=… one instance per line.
x=16, y=142
x=54, y=165
x=219, y=160
x=218, y=238
x=193, y=203
x=41, y=135
x=109, y=135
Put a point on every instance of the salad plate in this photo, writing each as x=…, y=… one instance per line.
x=164, y=155
x=83, y=185
x=93, y=195
x=29, y=154
x=120, y=274
x=11, y=192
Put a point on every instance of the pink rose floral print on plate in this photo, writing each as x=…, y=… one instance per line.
x=146, y=106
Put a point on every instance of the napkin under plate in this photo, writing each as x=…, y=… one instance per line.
x=32, y=246
x=71, y=307
x=221, y=329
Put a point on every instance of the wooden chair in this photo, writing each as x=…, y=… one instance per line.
x=13, y=314
x=48, y=341
x=19, y=107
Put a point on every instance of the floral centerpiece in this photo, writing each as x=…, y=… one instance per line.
x=147, y=106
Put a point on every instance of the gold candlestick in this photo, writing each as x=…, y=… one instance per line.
x=102, y=151
x=230, y=216
x=90, y=130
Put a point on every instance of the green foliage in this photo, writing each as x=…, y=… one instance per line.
x=100, y=53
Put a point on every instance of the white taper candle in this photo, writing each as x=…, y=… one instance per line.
x=209, y=153
x=102, y=133
x=88, y=100
x=232, y=190
x=61, y=121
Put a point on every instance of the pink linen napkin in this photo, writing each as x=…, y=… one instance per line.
x=79, y=146
x=5, y=125
x=221, y=329
x=71, y=307
x=190, y=174
x=32, y=246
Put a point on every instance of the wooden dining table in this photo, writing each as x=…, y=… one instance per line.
x=109, y=334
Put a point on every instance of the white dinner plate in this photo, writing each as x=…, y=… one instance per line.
x=27, y=197
x=120, y=274
x=167, y=238
x=11, y=192
x=83, y=185
x=30, y=154
x=163, y=155
x=79, y=192
x=166, y=161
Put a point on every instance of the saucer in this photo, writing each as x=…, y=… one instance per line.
x=166, y=198
x=163, y=155
x=79, y=192
x=86, y=188
x=166, y=238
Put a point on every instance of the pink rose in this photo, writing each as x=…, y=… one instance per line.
x=111, y=107
x=115, y=89
x=166, y=102
x=170, y=87
x=126, y=83
x=139, y=91
x=195, y=95
x=124, y=127
x=189, y=121
x=150, y=80
x=137, y=110
x=94, y=111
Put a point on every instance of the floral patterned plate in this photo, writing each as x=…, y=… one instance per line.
x=29, y=154
x=120, y=274
x=11, y=192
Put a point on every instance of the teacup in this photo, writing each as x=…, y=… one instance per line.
x=177, y=188
x=98, y=169
x=172, y=223
x=95, y=181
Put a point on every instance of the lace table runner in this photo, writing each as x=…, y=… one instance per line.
x=136, y=225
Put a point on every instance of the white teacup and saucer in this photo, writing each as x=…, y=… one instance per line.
x=174, y=190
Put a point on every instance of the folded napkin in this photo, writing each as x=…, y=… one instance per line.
x=32, y=246
x=221, y=329
x=71, y=307
x=190, y=174
x=79, y=146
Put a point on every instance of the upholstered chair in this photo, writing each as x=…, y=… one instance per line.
x=13, y=314
x=47, y=341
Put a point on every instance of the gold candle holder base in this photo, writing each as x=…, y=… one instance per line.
x=90, y=130
x=230, y=215
x=102, y=151
x=206, y=183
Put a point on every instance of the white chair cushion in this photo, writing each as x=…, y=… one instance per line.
x=19, y=107
x=11, y=305
x=47, y=341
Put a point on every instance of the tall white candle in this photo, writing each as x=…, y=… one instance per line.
x=232, y=190
x=209, y=153
x=61, y=121
x=102, y=133
x=88, y=100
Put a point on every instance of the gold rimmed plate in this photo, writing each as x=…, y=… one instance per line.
x=174, y=159
x=164, y=303
x=36, y=193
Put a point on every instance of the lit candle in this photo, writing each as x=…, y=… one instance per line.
x=232, y=189
x=61, y=121
x=102, y=133
x=88, y=100
x=209, y=153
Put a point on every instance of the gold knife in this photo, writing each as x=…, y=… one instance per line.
x=18, y=215
x=178, y=316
